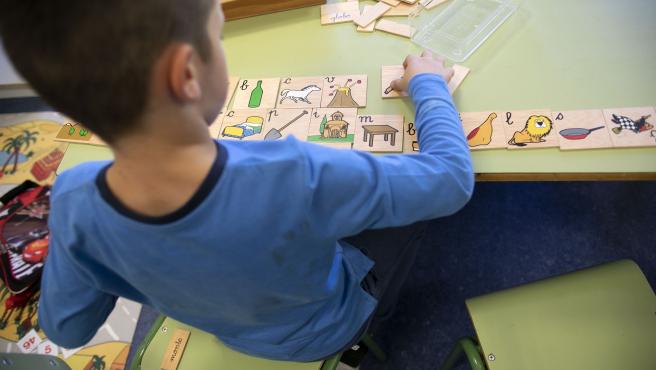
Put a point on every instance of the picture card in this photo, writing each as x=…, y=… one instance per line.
x=339, y=12
x=530, y=129
x=484, y=130
x=73, y=132
x=256, y=93
x=631, y=127
x=389, y=74
x=334, y=127
x=410, y=140
x=244, y=124
x=344, y=91
x=582, y=129
x=282, y=123
x=379, y=133
x=300, y=92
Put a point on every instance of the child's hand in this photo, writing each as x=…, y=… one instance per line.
x=415, y=65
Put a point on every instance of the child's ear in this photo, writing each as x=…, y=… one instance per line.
x=183, y=75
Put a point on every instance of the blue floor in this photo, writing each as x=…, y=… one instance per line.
x=509, y=234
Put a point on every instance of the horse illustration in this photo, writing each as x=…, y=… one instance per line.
x=301, y=95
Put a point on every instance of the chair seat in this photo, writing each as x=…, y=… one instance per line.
x=205, y=351
x=599, y=318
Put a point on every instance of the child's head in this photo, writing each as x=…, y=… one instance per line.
x=107, y=64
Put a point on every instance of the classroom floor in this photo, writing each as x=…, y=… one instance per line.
x=509, y=234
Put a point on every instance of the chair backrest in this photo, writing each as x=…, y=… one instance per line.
x=17, y=361
x=203, y=351
x=598, y=318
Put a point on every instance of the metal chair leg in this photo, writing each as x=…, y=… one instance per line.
x=470, y=349
x=374, y=348
x=331, y=363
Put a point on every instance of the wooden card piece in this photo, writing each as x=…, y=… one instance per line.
x=369, y=15
x=582, y=129
x=72, y=132
x=371, y=26
x=300, y=92
x=410, y=140
x=175, y=349
x=395, y=28
x=339, y=12
x=430, y=4
x=244, y=124
x=484, y=130
x=389, y=74
x=530, y=129
x=232, y=86
x=344, y=91
x=282, y=123
x=459, y=75
x=631, y=127
x=334, y=127
x=391, y=2
x=401, y=10
x=379, y=133
x=254, y=93
x=409, y=1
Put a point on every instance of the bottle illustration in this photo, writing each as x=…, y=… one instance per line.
x=256, y=96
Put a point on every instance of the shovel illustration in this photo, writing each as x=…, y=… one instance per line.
x=274, y=134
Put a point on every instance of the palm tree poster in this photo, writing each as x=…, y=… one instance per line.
x=27, y=149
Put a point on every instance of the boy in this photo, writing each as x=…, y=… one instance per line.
x=244, y=240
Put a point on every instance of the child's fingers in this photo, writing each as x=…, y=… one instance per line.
x=427, y=54
x=397, y=84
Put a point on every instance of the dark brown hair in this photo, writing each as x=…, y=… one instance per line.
x=93, y=59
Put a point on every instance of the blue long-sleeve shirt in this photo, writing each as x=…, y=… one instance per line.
x=255, y=256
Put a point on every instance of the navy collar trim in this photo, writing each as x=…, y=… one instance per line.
x=197, y=199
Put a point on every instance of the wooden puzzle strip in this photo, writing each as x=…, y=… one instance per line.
x=244, y=124
x=631, y=127
x=72, y=132
x=254, y=93
x=370, y=27
x=391, y=73
x=530, y=129
x=333, y=127
x=391, y=2
x=401, y=10
x=430, y=4
x=369, y=15
x=282, y=123
x=379, y=133
x=395, y=28
x=300, y=92
x=582, y=129
x=344, y=91
x=459, y=75
x=339, y=12
x=484, y=130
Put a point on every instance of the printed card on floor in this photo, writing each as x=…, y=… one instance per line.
x=389, y=74
x=333, y=127
x=344, y=91
x=582, y=129
x=410, y=140
x=300, y=92
x=285, y=122
x=48, y=348
x=530, y=129
x=256, y=93
x=379, y=133
x=30, y=342
x=484, y=130
x=631, y=127
x=245, y=124
x=339, y=12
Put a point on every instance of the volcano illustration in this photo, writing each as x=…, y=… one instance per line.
x=342, y=95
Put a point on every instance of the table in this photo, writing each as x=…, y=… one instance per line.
x=557, y=54
x=371, y=130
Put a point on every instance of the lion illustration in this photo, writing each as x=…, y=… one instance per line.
x=537, y=127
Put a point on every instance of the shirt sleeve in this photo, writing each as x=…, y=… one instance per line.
x=70, y=309
x=351, y=191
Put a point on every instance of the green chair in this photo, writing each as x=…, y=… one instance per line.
x=205, y=351
x=601, y=318
x=18, y=361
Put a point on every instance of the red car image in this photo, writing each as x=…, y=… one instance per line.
x=36, y=251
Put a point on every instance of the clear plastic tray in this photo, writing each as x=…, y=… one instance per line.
x=461, y=28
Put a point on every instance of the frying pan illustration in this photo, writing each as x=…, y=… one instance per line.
x=578, y=133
